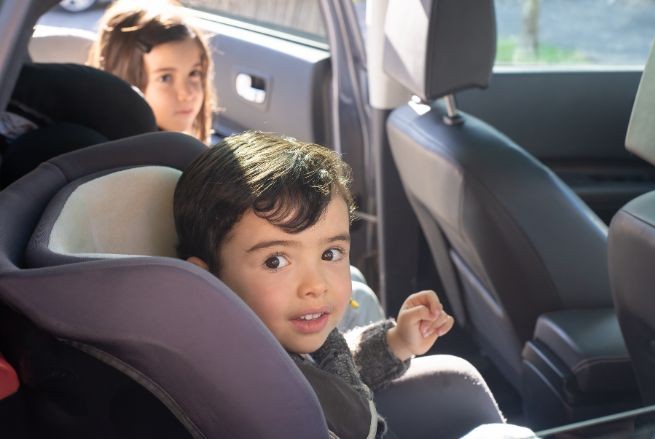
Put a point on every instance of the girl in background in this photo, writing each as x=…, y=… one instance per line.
x=151, y=46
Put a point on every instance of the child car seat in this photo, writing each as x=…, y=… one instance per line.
x=56, y=108
x=82, y=334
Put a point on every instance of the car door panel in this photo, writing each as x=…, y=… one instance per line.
x=269, y=83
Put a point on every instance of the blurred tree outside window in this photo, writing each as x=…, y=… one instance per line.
x=574, y=32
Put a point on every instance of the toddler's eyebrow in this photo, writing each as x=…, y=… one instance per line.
x=339, y=237
x=288, y=243
x=266, y=244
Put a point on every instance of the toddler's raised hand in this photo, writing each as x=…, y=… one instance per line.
x=421, y=320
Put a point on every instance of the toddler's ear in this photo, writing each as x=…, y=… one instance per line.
x=199, y=262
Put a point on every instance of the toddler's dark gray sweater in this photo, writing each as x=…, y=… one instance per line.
x=362, y=359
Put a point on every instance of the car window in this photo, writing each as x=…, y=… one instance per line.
x=298, y=17
x=574, y=32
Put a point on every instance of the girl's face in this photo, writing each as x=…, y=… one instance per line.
x=175, y=84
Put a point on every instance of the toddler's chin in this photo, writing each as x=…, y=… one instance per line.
x=308, y=346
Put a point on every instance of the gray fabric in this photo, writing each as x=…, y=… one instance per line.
x=348, y=414
x=573, y=336
x=437, y=47
x=439, y=396
x=364, y=362
x=169, y=149
x=163, y=324
x=376, y=363
x=334, y=357
x=631, y=252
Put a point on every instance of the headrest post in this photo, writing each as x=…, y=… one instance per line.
x=452, y=117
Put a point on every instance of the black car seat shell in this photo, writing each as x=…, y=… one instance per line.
x=70, y=106
x=160, y=321
x=519, y=253
x=632, y=245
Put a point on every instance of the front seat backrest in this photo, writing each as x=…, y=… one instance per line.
x=175, y=329
x=51, y=44
x=631, y=247
x=518, y=240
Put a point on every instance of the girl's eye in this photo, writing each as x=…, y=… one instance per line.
x=166, y=78
x=276, y=262
x=332, y=254
x=196, y=74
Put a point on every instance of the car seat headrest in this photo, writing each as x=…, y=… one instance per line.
x=60, y=44
x=115, y=199
x=49, y=93
x=437, y=47
x=640, y=138
x=128, y=212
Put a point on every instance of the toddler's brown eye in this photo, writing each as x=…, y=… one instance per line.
x=276, y=262
x=332, y=254
x=272, y=263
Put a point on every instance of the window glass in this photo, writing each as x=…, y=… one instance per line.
x=574, y=32
x=298, y=17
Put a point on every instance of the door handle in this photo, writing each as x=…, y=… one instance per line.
x=251, y=88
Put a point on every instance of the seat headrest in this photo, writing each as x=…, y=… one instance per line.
x=50, y=44
x=48, y=93
x=121, y=206
x=129, y=212
x=437, y=47
x=640, y=138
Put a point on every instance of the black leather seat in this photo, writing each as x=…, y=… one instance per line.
x=632, y=246
x=522, y=258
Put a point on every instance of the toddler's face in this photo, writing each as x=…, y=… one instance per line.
x=298, y=284
x=175, y=84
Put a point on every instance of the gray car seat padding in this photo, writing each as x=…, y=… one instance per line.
x=128, y=212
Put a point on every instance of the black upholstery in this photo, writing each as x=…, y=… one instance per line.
x=632, y=246
x=161, y=322
x=52, y=92
x=631, y=253
x=73, y=106
x=520, y=242
x=574, y=335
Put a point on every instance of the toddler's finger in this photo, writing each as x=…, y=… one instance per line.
x=415, y=314
x=425, y=327
x=446, y=326
x=443, y=324
x=426, y=298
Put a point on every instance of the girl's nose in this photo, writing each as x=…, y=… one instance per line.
x=186, y=92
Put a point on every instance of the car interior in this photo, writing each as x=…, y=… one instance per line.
x=487, y=185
